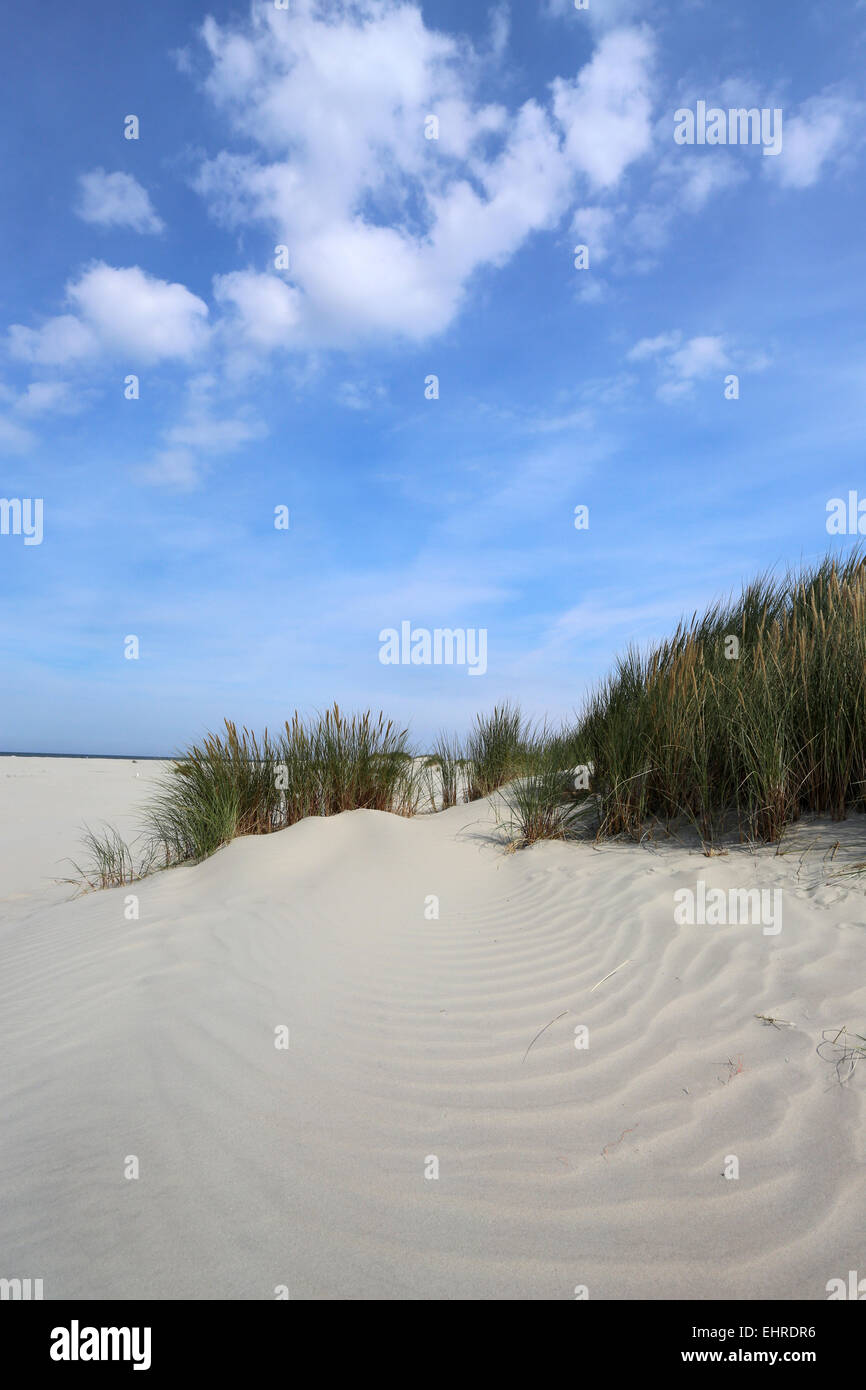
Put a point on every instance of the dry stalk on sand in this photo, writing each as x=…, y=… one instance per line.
x=544, y=1030
x=843, y=1054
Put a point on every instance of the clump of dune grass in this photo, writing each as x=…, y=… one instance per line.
x=445, y=769
x=548, y=801
x=361, y=763
x=112, y=862
x=750, y=714
x=223, y=787
x=496, y=750
x=239, y=784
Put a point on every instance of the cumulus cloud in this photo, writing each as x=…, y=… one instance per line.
x=147, y=317
x=386, y=227
x=682, y=363
x=611, y=103
x=121, y=310
x=824, y=130
x=116, y=200
x=262, y=308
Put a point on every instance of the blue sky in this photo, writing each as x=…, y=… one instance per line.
x=305, y=387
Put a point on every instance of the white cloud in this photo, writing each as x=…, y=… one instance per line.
x=698, y=357
x=606, y=112
x=116, y=200
x=43, y=396
x=265, y=310
x=119, y=310
x=826, y=128
x=683, y=363
x=651, y=347
x=385, y=228
x=61, y=340
x=144, y=316
x=825, y=132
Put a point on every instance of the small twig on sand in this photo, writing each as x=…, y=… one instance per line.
x=776, y=1022
x=612, y=972
x=544, y=1030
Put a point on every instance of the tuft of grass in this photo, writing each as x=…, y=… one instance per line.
x=544, y=803
x=112, y=862
x=237, y=784
x=445, y=772
x=360, y=762
x=497, y=750
x=223, y=787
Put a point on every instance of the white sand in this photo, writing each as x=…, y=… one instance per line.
x=563, y=1167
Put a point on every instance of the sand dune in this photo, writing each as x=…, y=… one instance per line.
x=558, y=1166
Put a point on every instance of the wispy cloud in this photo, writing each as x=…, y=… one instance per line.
x=116, y=200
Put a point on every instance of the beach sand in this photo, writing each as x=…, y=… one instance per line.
x=413, y=1039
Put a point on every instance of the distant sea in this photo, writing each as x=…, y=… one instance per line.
x=116, y=757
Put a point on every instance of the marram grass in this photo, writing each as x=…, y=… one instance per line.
x=754, y=711
x=749, y=715
x=237, y=784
